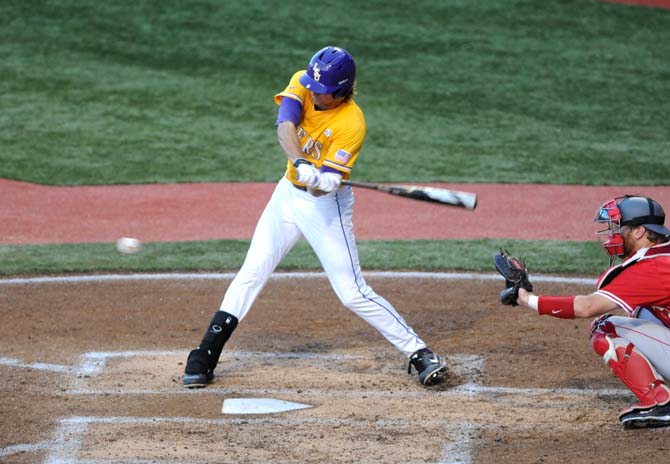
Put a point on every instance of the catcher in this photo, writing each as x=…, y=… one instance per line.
x=635, y=347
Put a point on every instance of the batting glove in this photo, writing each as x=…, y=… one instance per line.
x=329, y=182
x=307, y=173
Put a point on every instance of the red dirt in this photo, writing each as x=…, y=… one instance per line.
x=37, y=214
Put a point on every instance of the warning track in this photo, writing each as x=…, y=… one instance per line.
x=37, y=214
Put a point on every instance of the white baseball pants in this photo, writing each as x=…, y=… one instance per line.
x=326, y=223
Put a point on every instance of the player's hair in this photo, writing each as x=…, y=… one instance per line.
x=348, y=94
x=655, y=237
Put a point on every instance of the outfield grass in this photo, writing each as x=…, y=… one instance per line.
x=570, y=91
x=123, y=92
x=585, y=258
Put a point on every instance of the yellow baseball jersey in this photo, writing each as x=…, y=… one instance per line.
x=331, y=138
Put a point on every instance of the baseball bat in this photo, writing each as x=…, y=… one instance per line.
x=442, y=196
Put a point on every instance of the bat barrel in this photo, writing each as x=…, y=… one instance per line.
x=442, y=196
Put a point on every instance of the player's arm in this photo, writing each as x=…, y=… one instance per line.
x=593, y=305
x=567, y=307
x=288, y=118
x=288, y=141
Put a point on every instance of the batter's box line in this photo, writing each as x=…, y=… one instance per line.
x=66, y=445
x=463, y=365
x=93, y=364
x=469, y=389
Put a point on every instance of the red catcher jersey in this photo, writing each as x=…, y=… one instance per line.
x=642, y=281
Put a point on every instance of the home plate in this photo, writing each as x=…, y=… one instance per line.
x=259, y=406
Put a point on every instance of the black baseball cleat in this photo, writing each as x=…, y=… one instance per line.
x=429, y=366
x=657, y=416
x=197, y=373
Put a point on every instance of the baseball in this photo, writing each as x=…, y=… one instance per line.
x=128, y=246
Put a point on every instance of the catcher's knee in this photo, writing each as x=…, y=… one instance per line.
x=602, y=338
x=604, y=345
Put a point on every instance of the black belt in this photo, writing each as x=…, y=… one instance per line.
x=304, y=189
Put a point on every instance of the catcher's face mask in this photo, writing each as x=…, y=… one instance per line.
x=610, y=238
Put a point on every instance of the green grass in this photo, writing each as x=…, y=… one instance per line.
x=585, y=258
x=126, y=92
x=570, y=91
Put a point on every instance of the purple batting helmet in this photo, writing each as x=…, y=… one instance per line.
x=331, y=70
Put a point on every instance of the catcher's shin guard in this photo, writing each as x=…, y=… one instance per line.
x=202, y=361
x=634, y=370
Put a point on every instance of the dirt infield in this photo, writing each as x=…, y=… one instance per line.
x=91, y=374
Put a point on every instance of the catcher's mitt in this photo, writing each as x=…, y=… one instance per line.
x=515, y=274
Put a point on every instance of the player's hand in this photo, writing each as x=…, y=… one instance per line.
x=328, y=182
x=516, y=278
x=308, y=174
x=523, y=297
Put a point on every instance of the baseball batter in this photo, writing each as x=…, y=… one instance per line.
x=321, y=130
x=636, y=347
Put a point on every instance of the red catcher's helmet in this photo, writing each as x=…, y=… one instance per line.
x=630, y=211
x=331, y=70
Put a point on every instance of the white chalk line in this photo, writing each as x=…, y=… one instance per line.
x=459, y=449
x=66, y=453
x=37, y=366
x=76, y=279
x=31, y=448
x=93, y=364
x=467, y=389
x=66, y=443
x=68, y=437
